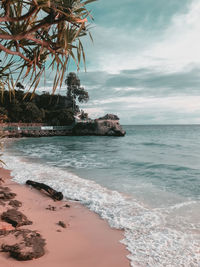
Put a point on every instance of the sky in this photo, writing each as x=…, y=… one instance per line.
x=144, y=64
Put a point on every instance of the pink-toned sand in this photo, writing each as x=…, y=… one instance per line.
x=87, y=241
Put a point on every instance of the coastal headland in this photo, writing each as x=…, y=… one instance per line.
x=68, y=234
x=106, y=126
x=53, y=115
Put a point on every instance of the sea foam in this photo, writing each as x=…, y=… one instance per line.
x=150, y=238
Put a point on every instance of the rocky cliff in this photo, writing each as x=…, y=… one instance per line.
x=107, y=126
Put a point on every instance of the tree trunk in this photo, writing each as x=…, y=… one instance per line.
x=40, y=186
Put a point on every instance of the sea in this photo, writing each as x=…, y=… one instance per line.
x=146, y=183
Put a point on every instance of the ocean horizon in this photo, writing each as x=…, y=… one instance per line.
x=146, y=183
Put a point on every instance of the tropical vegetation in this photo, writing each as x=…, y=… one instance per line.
x=43, y=108
x=39, y=34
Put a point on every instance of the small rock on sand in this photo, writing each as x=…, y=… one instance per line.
x=5, y=194
x=52, y=208
x=62, y=224
x=14, y=217
x=15, y=204
x=67, y=206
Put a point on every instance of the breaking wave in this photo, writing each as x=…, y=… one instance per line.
x=154, y=236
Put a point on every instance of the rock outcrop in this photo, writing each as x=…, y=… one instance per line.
x=109, y=117
x=23, y=244
x=107, y=126
x=20, y=244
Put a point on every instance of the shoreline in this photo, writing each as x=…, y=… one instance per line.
x=87, y=240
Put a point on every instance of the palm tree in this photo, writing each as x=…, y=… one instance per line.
x=38, y=34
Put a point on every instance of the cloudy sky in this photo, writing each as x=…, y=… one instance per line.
x=144, y=64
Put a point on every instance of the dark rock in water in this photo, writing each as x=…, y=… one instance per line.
x=14, y=217
x=5, y=194
x=25, y=245
x=109, y=117
x=62, y=224
x=104, y=127
x=15, y=204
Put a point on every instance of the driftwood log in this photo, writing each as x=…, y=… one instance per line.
x=40, y=186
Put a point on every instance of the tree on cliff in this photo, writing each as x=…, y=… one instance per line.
x=74, y=89
x=33, y=31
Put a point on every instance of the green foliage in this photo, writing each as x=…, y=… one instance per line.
x=33, y=113
x=36, y=30
x=74, y=90
x=60, y=117
x=50, y=109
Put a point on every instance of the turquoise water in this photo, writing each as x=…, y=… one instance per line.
x=147, y=183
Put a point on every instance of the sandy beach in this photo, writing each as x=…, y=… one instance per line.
x=87, y=240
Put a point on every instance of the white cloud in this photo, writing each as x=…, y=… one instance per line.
x=174, y=48
x=183, y=103
x=174, y=109
x=114, y=48
x=181, y=41
x=127, y=89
